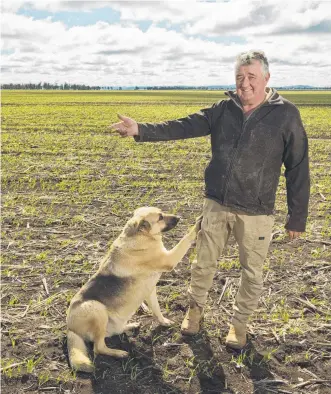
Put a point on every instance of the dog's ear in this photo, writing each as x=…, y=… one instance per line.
x=131, y=228
x=144, y=225
x=134, y=226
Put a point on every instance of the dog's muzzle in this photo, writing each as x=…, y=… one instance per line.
x=171, y=222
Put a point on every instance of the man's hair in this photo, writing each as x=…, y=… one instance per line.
x=248, y=57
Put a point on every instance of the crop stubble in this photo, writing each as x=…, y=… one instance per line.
x=69, y=184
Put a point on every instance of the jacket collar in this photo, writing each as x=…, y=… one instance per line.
x=273, y=97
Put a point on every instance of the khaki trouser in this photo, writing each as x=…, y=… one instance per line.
x=253, y=235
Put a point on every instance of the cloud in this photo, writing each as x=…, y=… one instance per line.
x=181, y=45
x=52, y=5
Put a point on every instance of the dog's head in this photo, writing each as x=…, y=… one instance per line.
x=150, y=220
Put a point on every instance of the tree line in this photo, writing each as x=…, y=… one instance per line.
x=48, y=86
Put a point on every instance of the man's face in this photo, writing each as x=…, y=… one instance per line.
x=251, y=83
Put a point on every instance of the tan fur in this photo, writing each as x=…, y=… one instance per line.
x=127, y=276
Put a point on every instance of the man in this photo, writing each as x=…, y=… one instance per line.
x=252, y=133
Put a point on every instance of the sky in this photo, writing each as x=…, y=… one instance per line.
x=162, y=43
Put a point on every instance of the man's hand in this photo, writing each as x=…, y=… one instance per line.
x=293, y=234
x=127, y=127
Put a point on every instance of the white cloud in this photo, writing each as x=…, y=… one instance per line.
x=122, y=53
x=52, y=5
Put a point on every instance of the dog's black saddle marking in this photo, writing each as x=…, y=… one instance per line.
x=105, y=288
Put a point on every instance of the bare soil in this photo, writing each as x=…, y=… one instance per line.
x=161, y=359
x=69, y=186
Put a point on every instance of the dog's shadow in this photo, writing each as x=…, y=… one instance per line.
x=141, y=372
x=136, y=374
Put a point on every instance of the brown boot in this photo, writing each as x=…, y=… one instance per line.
x=191, y=322
x=236, y=338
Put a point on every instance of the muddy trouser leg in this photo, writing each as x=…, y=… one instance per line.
x=216, y=227
x=253, y=235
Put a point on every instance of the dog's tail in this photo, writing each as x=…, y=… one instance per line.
x=77, y=352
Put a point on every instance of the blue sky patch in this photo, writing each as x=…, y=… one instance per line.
x=75, y=18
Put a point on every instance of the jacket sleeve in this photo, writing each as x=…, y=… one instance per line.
x=196, y=125
x=296, y=163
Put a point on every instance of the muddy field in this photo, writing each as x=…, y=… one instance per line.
x=69, y=186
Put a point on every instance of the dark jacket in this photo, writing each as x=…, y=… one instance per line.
x=247, y=154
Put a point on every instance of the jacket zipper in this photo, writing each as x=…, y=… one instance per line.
x=233, y=159
x=236, y=148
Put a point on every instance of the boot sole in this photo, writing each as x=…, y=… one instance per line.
x=189, y=333
x=235, y=346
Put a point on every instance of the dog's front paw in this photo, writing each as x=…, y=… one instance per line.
x=132, y=326
x=121, y=354
x=198, y=222
x=166, y=322
x=195, y=229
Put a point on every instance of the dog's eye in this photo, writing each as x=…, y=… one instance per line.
x=161, y=216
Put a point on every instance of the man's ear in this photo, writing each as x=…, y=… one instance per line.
x=144, y=225
x=267, y=77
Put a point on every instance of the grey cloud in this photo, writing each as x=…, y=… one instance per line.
x=147, y=63
x=309, y=61
x=151, y=74
x=29, y=47
x=22, y=70
x=144, y=4
x=323, y=27
x=284, y=62
x=64, y=68
x=82, y=4
x=261, y=15
x=214, y=74
x=95, y=63
x=120, y=52
x=309, y=48
x=177, y=54
x=66, y=5
x=23, y=59
x=266, y=16
x=10, y=35
x=22, y=35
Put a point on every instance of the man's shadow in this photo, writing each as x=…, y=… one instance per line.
x=256, y=365
x=211, y=373
x=209, y=370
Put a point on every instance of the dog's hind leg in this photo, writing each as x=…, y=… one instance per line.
x=98, y=331
x=153, y=303
x=77, y=353
x=100, y=346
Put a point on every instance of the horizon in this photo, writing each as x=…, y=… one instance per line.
x=158, y=87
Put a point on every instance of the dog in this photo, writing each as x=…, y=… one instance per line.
x=126, y=277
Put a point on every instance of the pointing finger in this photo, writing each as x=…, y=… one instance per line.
x=122, y=117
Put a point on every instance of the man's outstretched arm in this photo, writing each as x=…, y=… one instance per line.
x=195, y=125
